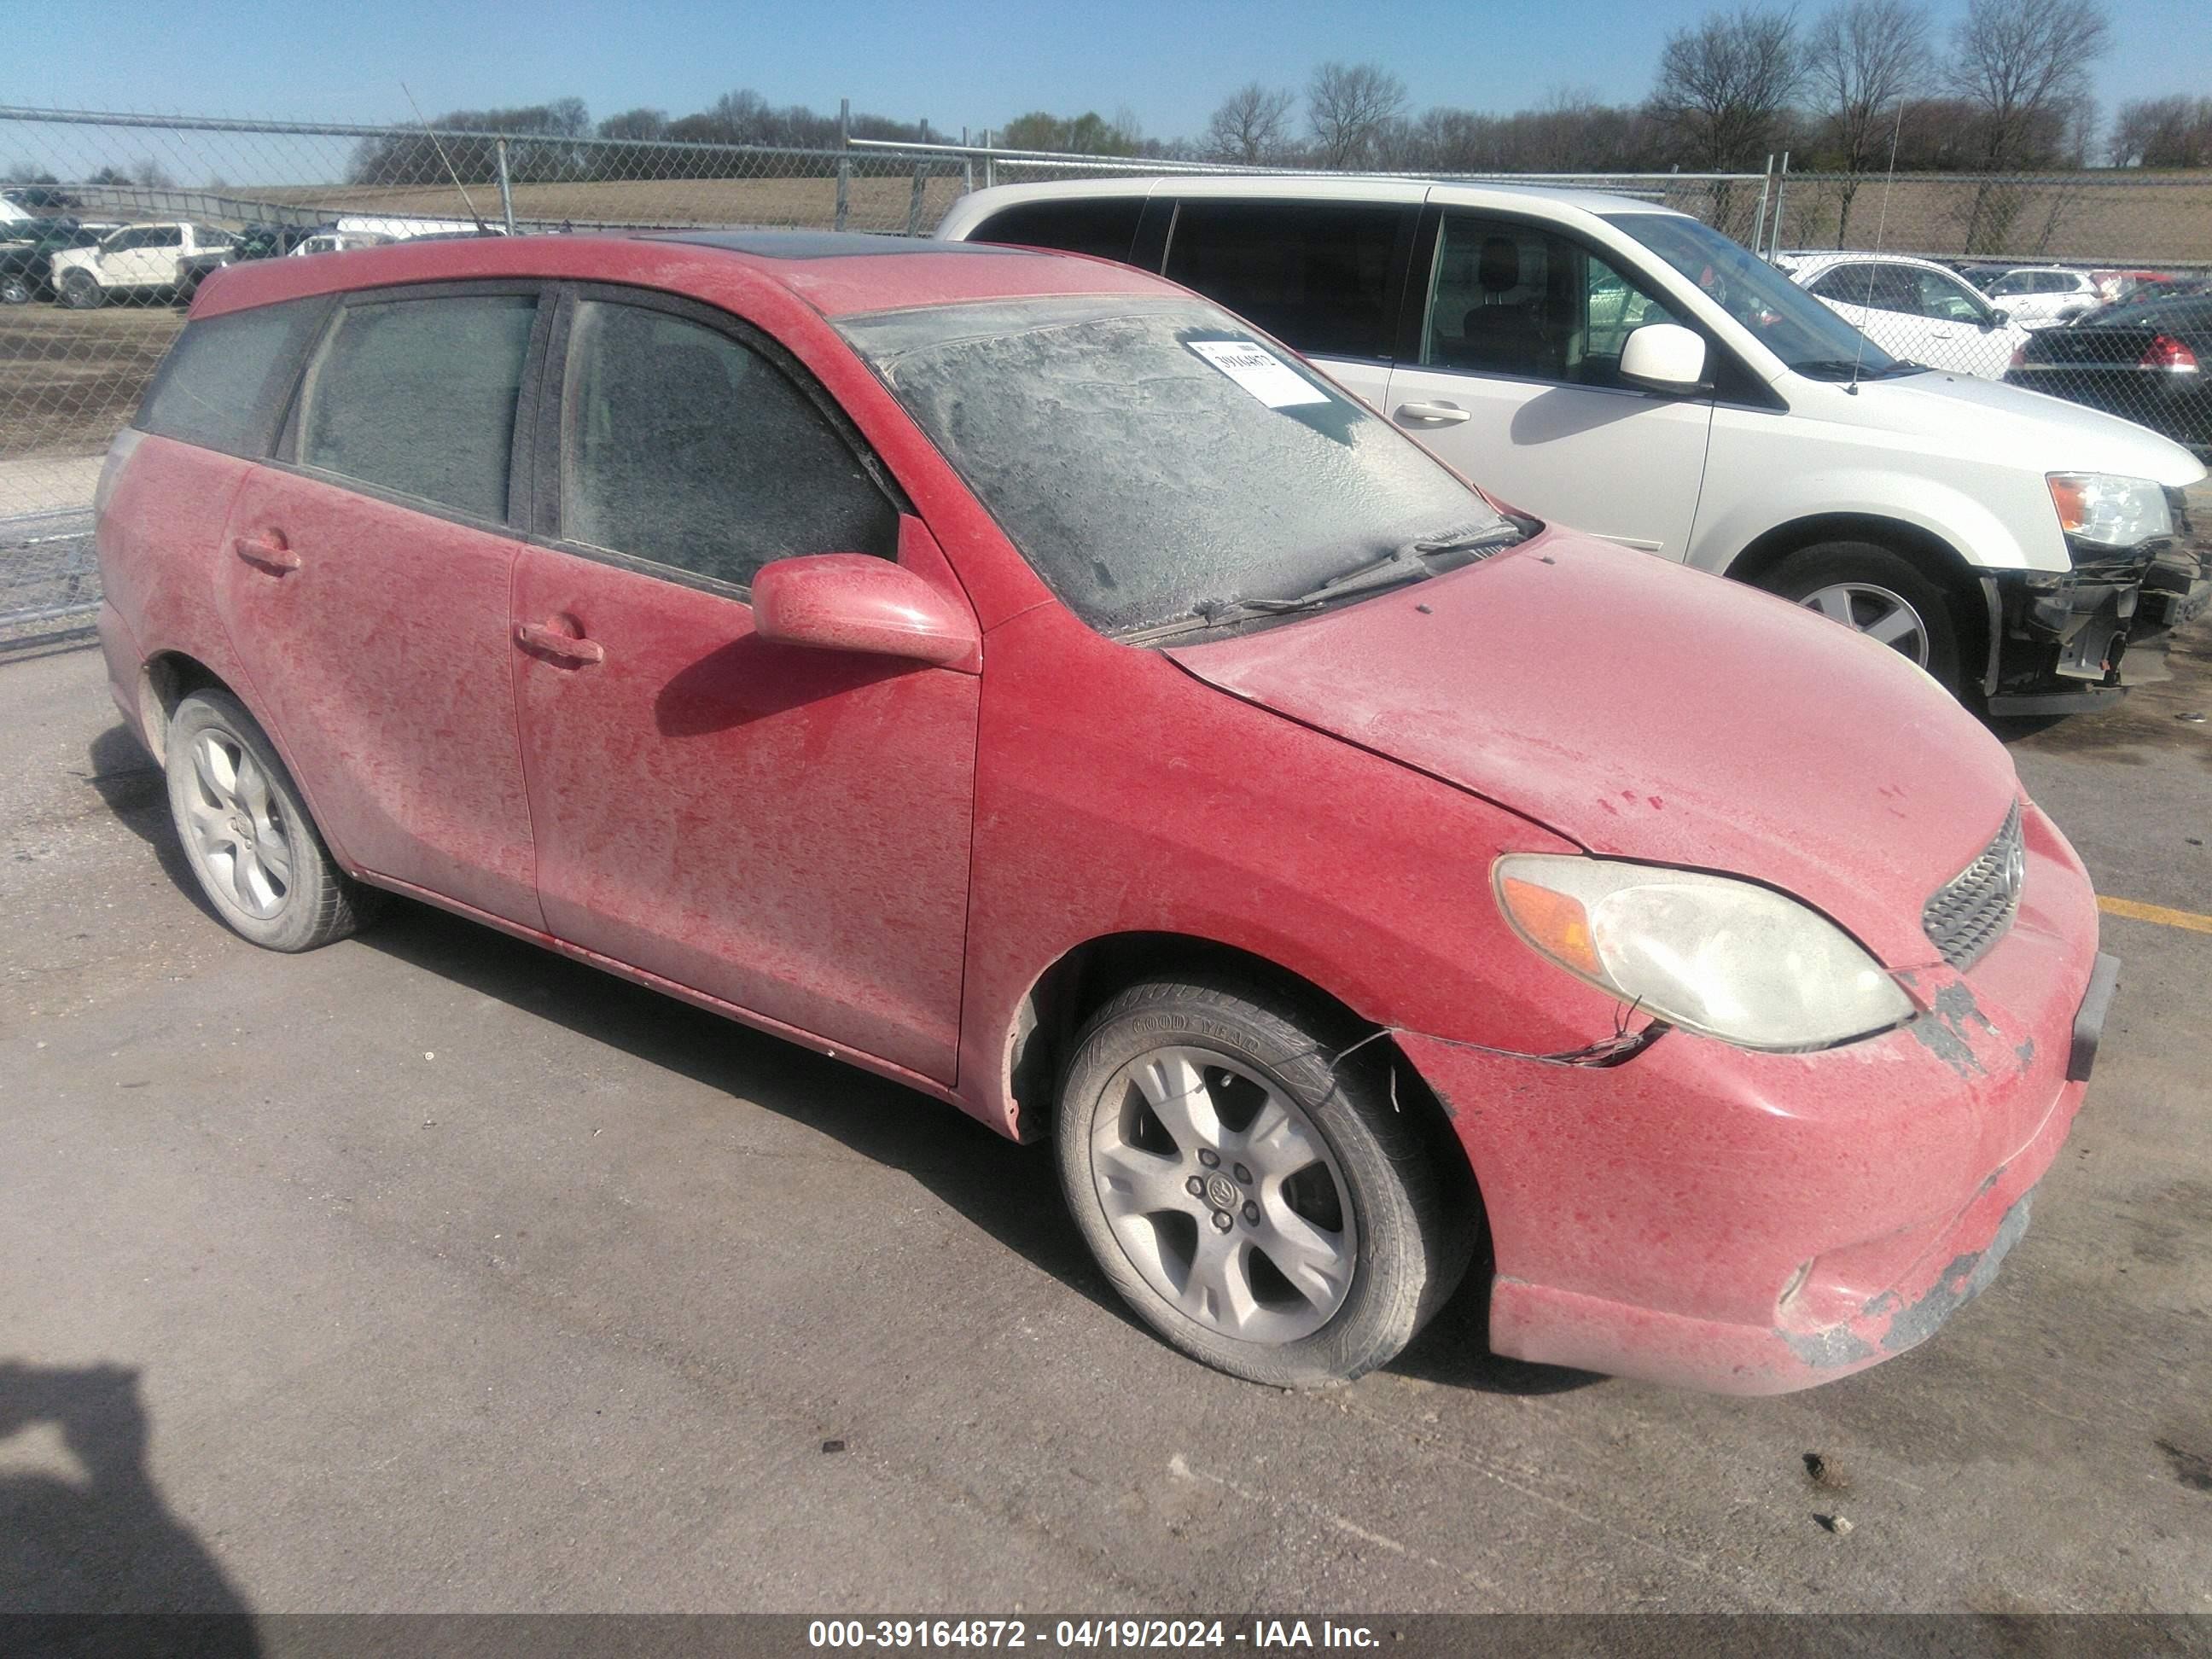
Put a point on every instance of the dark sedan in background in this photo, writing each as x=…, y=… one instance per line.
x=2146, y=358
x=27, y=256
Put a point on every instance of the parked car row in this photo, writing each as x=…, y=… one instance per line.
x=1632, y=372
x=1024, y=679
x=86, y=266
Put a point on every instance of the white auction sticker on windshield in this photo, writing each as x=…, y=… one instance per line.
x=1260, y=372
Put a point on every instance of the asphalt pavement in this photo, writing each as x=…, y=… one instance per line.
x=429, y=1272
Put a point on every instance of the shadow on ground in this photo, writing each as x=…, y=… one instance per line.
x=104, y=1542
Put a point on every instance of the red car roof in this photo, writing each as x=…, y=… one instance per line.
x=836, y=274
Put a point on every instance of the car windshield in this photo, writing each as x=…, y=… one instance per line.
x=1154, y=461
x=1789, y=322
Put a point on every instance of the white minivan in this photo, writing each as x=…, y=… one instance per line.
x=1626, y=369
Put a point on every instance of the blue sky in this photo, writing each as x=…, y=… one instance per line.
x=973, y=63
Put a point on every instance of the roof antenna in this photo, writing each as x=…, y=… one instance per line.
x=448, y=159
x=1880, y=225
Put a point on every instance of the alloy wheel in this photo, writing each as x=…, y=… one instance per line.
x=238, y=825
x=1883, y=615
x=1224, y=1195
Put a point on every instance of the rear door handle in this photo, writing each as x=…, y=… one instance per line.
x=268, y=551
x=1435, y=414
x=562, y=647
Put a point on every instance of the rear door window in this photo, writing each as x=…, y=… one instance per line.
x=686, y=447
x=418, y=396
x=1318, y=275
x=1102, y=225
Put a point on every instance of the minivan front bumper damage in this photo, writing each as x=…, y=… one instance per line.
x=2060, y=643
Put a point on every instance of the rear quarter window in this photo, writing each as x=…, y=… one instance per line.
x=1314, y=274
x=1105, y=225
x=224, y=383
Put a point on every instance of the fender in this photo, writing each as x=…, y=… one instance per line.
x=1964, y=522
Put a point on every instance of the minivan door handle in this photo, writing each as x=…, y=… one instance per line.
x=268, y=551
x=1434, y=414
x=562, y=647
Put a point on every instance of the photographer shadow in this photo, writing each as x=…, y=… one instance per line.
x=105, y=1543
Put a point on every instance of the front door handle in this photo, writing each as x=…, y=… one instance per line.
x=548, y=642
x=1434, y=414
x=268, y=551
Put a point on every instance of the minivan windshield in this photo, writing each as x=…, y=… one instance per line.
x=1155, y=462
x=1789, y=322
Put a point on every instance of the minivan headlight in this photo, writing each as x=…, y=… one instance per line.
x=2103, y=510
x=1726, y=958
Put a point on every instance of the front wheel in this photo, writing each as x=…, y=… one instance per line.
x=1277, y=1218
x=79, y=292
x=246, y=832
x=1881, y=594
x=15, y=291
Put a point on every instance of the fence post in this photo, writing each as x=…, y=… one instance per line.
x=914, y=206
x=1781, y=189
x=990, y=167
x=506, y=194
x=844, y=158
x=1758, y=219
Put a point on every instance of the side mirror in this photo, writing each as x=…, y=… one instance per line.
x=1664, y=357
x=855, y=602
x=1999, y=317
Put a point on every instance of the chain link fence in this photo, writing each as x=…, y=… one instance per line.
x=107, y=221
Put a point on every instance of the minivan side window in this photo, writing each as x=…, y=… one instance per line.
x=1517, y=300
x=418, y=396
x=224, y=382
x=686, y=447
x=1102, y=225
x=1316, y=275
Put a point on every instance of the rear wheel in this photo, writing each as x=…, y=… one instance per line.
x=80, y=292
x=1881, y=594
x=15, y=290
x=247, y=833
x=1281, y=1220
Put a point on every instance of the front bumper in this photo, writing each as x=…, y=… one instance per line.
x=2062, y=642
x=1710, y=1217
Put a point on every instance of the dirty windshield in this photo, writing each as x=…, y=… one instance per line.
x=1154, y=461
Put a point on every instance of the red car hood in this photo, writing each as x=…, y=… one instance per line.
x=1651, y=712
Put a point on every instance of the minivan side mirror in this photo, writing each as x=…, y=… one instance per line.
x=1998, y=318
x=857, y=602
x=1664, y=357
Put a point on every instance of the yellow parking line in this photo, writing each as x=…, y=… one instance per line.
x=2134, y=910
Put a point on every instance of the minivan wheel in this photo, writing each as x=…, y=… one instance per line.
x=79, y=292
x=1880, y=594
x=1281, y=1220
x=246, y=833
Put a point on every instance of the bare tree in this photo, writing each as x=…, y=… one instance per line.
x=2020, y=64
x=1252, y=126
x=1865, y=58
x=1725, y=85
x=636, y=124
x=2162, y=132
x=2021, y=67
x=1350, y=107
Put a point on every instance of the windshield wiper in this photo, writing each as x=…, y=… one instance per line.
x=1401, y=564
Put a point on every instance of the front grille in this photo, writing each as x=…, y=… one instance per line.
x=1970, y=913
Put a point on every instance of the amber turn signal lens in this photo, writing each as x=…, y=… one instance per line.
x=1552, y=921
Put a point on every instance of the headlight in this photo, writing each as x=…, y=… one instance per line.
x=2106, y=511
x=1726, y=958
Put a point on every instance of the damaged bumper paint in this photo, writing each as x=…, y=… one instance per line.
x=1755, y=1223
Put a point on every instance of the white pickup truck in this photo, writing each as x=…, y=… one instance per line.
x=135, y=262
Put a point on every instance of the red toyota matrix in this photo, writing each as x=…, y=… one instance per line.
x=1034, y=685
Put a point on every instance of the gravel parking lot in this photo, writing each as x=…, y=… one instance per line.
x=431, y=1271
